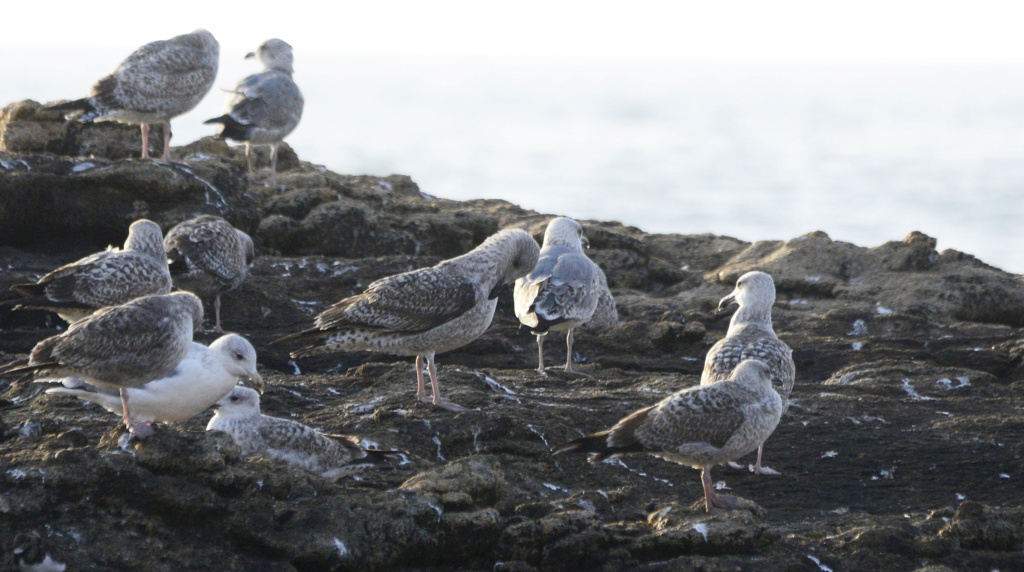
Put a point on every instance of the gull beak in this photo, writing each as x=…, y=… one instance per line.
x=586, y=243
x=257, y=382
x=730, y=299
x=250, y=55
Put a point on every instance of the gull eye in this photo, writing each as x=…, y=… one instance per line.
x=239, y=356
x=234, y=398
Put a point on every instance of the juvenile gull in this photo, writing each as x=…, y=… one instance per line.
x=562, y=291
x=751, y=336
x=120, y=347
x=159, y=81
x=33, y=554
x=103, y=279
x=201, y=379
x=427, y=311
x=700, y=427
x=208, y=257
x=265, y=107
x=330, y=456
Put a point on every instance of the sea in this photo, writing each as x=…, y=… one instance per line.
x=866, y=153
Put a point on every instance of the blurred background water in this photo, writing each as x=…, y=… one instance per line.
x=865, y=152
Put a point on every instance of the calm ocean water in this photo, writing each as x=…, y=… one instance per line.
x=865, y=153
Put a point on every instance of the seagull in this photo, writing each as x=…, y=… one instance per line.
x=699, y=427
x=330, y=456
x=562, y=291
x=208, y=257
x=159, y=81
x=427, y=311
x=33, y=554
x=107, y=278
x=751, y=336
x=201, y=379
x=265, y=107
x=120, y=347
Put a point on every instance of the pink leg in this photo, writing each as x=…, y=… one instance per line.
x=438, y=400
x=420, y=388
x=568, y=352
x=141, y=430
x=216, y=311
x=145, y=140
x=166, y=157
x=273, y=165
x=540, y=353
x=758, y=469
x=248, y=160
x=713, y=502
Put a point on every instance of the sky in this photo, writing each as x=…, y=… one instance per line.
x=869, y=31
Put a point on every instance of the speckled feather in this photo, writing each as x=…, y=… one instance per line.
x=106, y=278
x=121, y=346
x=286, y=440
x=428, y=310
x=209, y=256
x=606, y=314
x=751, y=336
x=699, y=426
x=160, y=80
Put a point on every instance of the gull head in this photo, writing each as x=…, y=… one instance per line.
x=241, y=402
x=238, y=357
x=564, y=231
x=274, y=54
x=753, y=290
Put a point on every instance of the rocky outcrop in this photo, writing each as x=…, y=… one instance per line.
x=897, y=453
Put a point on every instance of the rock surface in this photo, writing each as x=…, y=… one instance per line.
x=900, y=450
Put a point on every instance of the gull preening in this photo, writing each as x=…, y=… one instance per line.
x=107, y=278
x=159, y=81
x=264, y=107
x=120, y=347
x=427, y=311
x=561, y=292
x=330, y=456
x=751, y=336
x=202, y=378
x=699, y=427
x=208, y=257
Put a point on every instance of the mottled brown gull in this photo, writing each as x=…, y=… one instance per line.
x=103, y=279
x=34, y=554
x=159, y=81
x=330, y=456
x=751, y=336
x=562, y=291
x=208, y=257
x=120, y=347
x=427, y=311
x=699, y=427
x=202, y=378
x=265, y=107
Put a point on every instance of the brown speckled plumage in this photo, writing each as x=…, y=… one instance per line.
x=103, y=279
x=208, y=257
x=426, y=311
x=120, y=346
x=156, y=83
x=330, y=456
x=700, y=426
x=751, y=336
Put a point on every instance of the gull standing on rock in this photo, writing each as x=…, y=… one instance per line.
x=106, y=278
x=427, y=311
x=751, y=336
x=120, y=347
x=264, y=107
x=201, y=379
x=208, y=257
x=330, y=456
x=158, y=82
x=700, y=427
x=562, y=291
